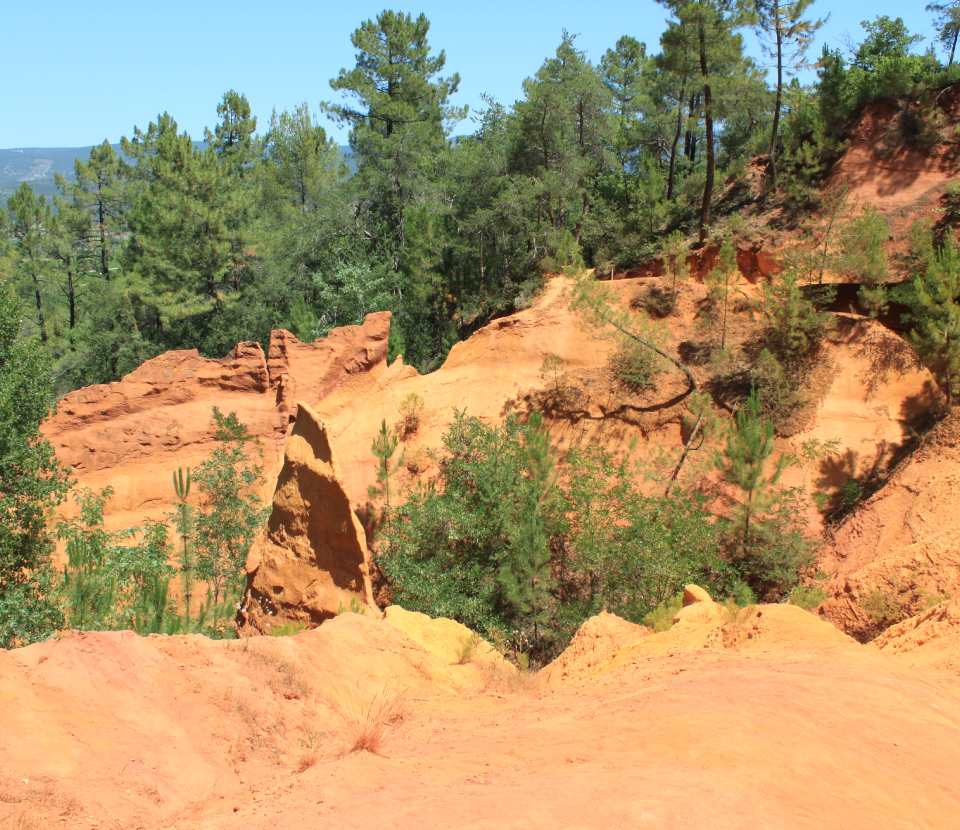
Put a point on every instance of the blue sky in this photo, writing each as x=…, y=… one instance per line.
x=75, y=73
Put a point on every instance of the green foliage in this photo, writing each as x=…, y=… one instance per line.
x=383, y=447
x=935, y=313
x=634, y=551
x=108, y=584
x=32, y=484
x=504, y=544
x=807, y=597
x=762, y=532
x=777, y=390
x=634, y=366
x=473, y=547
x=721, y=281
x=660, y=619
x=863, y=256
x=793, y=327
x=231, y=510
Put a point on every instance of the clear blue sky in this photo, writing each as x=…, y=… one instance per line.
x=74, y=73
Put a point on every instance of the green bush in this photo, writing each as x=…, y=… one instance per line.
x=807, y=597
x=513, y=550
x=634, y=366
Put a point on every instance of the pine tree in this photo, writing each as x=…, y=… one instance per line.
x=721, y=280
x=383, y=447
x=69, y=245
x=399, y=116
x=793, y=326
x=303, y=161
x=233, y=137
x=789, y=35
x=623, y=70
x=564, y=129
x=30, y=220
x=525, y=575
x=712, y=23
x=764, y=546
x=32, y=484
x=935, y=310
x=183, y=245
x=100, y=186
x=947, y=17
x=863, y=256
x=676, y=65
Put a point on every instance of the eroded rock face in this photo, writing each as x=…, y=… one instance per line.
x=133, y=433
x=899, y=551
x=312, y=561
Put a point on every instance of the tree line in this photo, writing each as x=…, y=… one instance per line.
x=182, y=241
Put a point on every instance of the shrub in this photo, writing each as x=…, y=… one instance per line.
x=411, y=412
x=657, y=301
x=762, y=534
x=883, y=608
x=863, y=256
x=477, y=547
x=793, y=327
x=661, y=618
x=634, y=366
x=807, y=597
x=777, y=393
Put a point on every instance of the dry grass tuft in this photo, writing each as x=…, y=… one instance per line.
x=307, y=760
x=368, y=723
x=468, y=648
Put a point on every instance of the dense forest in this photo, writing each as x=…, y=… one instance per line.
x=183, y=241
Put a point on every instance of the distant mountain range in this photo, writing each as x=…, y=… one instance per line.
x=37, y=165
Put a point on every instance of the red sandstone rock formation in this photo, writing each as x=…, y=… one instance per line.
x=312, y=560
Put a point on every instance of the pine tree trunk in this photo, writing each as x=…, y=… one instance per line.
x=708, y=121
x=102, y=225
x=772, y=168
x=953, y=46
x=41, y=319
x=71, y=298
x=676, y=141
x=690, y=139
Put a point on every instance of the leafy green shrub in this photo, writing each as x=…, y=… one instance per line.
x=634, y=366
x=111, y=581
x=477, y=548
x=883, y=608
x=563, y=253
x=863, y=256
x=231, y=510
x=777, y=392
x=935, y=313
x=661, y=618
x=807, y=597
x=32, y=483
x=514, y=551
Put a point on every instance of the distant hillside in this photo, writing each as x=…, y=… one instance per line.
x=37, y=165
